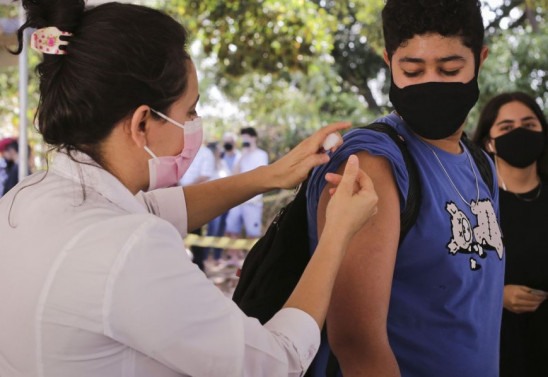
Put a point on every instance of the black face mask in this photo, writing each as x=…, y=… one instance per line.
x=435, y=110
x=228, y=147
x=520, y=147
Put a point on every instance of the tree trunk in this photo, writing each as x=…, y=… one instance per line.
x=365, y=91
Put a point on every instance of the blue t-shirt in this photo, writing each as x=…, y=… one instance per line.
x=446, y=300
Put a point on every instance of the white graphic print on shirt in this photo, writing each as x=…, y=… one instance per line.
x=468, y=240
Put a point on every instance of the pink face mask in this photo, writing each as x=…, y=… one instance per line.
x=166, y=171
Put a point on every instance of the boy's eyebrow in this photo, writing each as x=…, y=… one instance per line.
x=445, y=59
x=450, y=58
x=407, y=59
x=530, y=117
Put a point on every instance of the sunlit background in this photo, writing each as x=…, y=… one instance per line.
x=288, y=67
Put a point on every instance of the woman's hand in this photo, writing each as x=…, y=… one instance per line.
x=293, y=168
x=352, y=203
x=521, y=299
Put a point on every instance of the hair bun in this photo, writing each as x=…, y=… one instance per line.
x=63, y=14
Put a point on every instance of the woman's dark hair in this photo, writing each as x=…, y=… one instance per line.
x=119, y=57
x=403, y=19
x=489, y=115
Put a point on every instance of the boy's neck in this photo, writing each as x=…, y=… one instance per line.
x=450, y=144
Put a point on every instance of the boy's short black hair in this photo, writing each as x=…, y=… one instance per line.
x=248, y=131
x=403, y=19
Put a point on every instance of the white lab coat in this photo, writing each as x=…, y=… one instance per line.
x=98, y=286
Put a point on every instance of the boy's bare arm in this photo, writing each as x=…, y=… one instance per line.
x=358, y=311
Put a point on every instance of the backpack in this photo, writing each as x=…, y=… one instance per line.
x=275, y=263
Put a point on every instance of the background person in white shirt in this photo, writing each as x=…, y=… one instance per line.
x=91, y=282
x=247, y=216
x=230, y=153
x=201, y=170
x=216, y=227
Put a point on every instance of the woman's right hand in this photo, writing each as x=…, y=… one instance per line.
x=521, y=299
x=293, y=168
x=352, y=202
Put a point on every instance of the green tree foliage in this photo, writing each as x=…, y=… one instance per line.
x=274, y=60
x=9, y=77
x=358, y=46
x=284, y=107
x=354, y=45
x=8, y=74
x=516, y=14
x=518, y=61
x=517, y=37
x=10, y=118
x=265, y=36
x=290, y=66
x=279, y=37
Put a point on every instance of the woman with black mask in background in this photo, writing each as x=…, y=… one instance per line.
x=513, y=129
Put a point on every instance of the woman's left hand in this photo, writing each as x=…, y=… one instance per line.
x=521, y=299
x=293, y=168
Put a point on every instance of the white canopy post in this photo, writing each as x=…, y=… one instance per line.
x=23, y=101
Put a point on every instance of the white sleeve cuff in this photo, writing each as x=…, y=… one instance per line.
x=168, y=204
x=302, y=331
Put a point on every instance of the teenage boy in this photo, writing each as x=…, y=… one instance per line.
x=430, y=305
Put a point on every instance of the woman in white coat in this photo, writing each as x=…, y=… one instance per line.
x=93, y=280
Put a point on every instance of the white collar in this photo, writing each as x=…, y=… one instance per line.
x=83, y=170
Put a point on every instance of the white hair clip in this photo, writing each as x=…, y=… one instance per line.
x=47, y=40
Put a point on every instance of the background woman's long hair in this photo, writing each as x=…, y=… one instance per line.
x=490, y=113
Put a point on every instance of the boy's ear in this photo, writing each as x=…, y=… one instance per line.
x=385, y=57
x=484, y=53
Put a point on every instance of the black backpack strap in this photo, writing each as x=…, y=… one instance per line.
x=410, y=212
x=266, y=278
x=482, y=163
